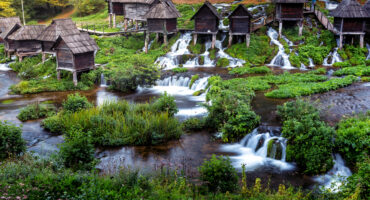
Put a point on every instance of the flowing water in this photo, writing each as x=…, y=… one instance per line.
x=330, y=5
x=281, y=59
x=368, y=48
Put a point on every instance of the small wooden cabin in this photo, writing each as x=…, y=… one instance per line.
x=10, y=46
x=367, y=8
x=130, y=9
x=26, y=40
x=75, y=53
x=206, y=21
x=289, y=10
x=58, y=27
x=350, y=19
x=7, y=22
x=240, y=23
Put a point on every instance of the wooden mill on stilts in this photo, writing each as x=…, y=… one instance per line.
x=9, y=45
x=350, y=19
x=6, y=23
x=289, y=10
x=240, y=24
x=206, y=20
x=161, y=18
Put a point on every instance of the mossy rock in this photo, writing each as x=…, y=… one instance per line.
x=197, y=49
x=198, y=93
x=223, y=62
x=274, y=149
x=260, y=143
x=212, y=53
x=193, y=79
x=185, y=58
x=226, y=22
x=201, y=60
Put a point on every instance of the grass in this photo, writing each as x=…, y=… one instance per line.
x=180, y=70
x=356, y=71
x=250, y=70
x=36, y=111
x=6, y=102
x=187, y=11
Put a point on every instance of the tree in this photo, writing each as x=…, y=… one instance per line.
x=6, y=10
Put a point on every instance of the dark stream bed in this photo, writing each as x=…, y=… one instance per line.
x=189, y=152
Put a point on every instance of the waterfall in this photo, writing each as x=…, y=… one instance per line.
x=103, y=82
x=259, y=149
x=149, y=45
x=281, y=59
x=234, y=62
x=336, y=176
x=5, y=67
x=174, y=81
x=335, y=58
x=368, y=55
x=312, y=65
x=170, y=60
x=330, y=5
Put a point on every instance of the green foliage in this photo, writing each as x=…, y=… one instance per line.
x=358, y=185
x=292, y=90
x=187, y=11
x=11, y=141
x=119, y=123
x=46, y=85
x=197, y=48
x=166, y=103
x=180, y=70
x=222, y=62
x=193, y=124
x=193, y=79
x=76, y=102
x=77, y=152
x=353, y=138
x=341, y=64
x=250, y=70
x=212, y=53
x=87, y=7
x=360, y=70
x=219, y=174
x=354, y=55
x=309, y=139
x=36, y=111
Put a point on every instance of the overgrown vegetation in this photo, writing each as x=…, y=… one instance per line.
x=250, y=70
x=36, y=111
x=11, y=141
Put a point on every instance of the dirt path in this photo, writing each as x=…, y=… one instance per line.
x=64, y=14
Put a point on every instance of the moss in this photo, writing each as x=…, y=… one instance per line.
x=274, y=149
x=198, y=93
x=6, y=102
x=341, y=64
x=187, y=57
x=226, y=22
x=365, y=79
x=212, y=53
x=201, y=60
x=196, y=49
x=294, y=60
x=179, y=70
x=222, y=62
x=193, y=79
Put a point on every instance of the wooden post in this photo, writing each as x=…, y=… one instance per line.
x=230, y=39
x=147, y=34
x=165, y=34
x=248, y=39
x=213, y=41
x=125, y=24
x=110, y=20
x=75, y=78
x=280, y=28
x=20, y=58
x=156, y=37
x=103, y=28
x=340, y=41
x=58, y=74
x=114, y=20
x=43, y=57
x=300, y=25
x=136, y=25
x=94, y=29
x=195, y=38
x=362, y=41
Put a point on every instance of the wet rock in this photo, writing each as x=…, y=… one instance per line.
x=274, y=149
x=260, y=143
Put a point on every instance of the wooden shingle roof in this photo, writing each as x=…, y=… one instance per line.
x=349, y=9
x=163, y=10
x=289, y=1
x=10, y=30
x=210, y=7
x=7, y=22
x=81, y=43
x=133, y=1
x=241, y=6
x=58, y=27
x=28, y=32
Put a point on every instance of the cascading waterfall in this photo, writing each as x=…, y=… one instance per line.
x=149, y=45
x=171, y=59
x=5, y=67
x=330, y=5
x=334, y=55
x=233, y=62
x=336, y=176
x=259, y=149
x=281, y=59
x=368, y=55
x=103, y=82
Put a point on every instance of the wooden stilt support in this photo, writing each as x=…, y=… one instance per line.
x=110, y=20
x=165, y=39
x=114, y=21
x=58, y=74
x=125, y=24
x=213, y=41
x=340, y=41
x=137, y=25
x=230, y=39
x=280, y=28
x=300, y=26
x=20, y=58
x=248, y=39
x=195, y=39
x=147, y=34
x=362, y=41
x=156, y=37
x=75, y=78
x=43, y=57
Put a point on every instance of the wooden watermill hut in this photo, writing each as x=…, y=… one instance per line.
x=367, y=8
x=8, y=22
x=240, y=23
x=206, y=21
x=131, y=10
x=350, y=19
x=289, y=10
x=58, y=27
x=75, y=53
x=26, y=42
x=9, y=45
x=161, y=18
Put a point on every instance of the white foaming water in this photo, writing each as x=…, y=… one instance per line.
x=330, y=5
x=281, y=59
x=149, y=45
x=368, y=48
x=103, y=82
x=5, y=67
x=335, y=58
x=312, y=65
x=253, y=152
x=170, y=60
x=233, y=62
x=336, y=176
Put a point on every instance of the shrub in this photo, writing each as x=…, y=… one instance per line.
x=11, y=141
x=361, y=70
x=197, y=49
x=353, y=138
x=166, y=103
x=87, y=7
x=358, y=184
x=193, y=125
x=250, y=70
x=222, y=62
x=309, y=139
x=219, y=174
x=36, y=111
x=180, y=70
x=54, y=124
x=78, y=151
x=341, y=64
x=76, y=102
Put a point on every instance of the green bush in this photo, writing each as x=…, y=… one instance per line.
x=222, y=62
x=54, y=124
x=11, y=141
x=360, y=70
x=309, y=139
x=357, y=186
x=77, y=152
x=87, y=7
x=180, y=70
x=219, y=174
x=341, y=64
x=166, y=103
x=193, y=125
x=46, y=85
x=197, y=48
x=250, y=70
x=36, y=111
x=76, y=102
x=353, y=137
